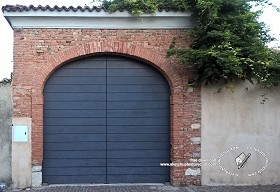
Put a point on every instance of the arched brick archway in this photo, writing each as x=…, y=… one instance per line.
x=154, y=58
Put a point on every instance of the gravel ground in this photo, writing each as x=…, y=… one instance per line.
x=154, y=188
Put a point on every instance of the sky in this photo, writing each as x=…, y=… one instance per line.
x=270, y=17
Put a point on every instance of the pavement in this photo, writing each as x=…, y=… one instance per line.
x=153, y=188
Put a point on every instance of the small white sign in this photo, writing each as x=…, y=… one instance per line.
x=20, y=133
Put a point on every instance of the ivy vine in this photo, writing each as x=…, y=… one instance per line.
x=229, y=43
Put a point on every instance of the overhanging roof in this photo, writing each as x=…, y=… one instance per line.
x=20, y=16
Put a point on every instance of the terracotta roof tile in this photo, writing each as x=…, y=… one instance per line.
x=22, y=8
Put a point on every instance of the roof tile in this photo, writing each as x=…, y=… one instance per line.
x=22, y=8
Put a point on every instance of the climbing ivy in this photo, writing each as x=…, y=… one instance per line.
x=138, y=7
x=229, y=43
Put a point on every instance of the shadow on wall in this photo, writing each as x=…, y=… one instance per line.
x=5, y=131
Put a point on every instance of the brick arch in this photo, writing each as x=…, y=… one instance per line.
x=152, y=57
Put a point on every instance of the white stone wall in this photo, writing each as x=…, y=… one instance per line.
x=236, y=122
x=5, y=132
x=21, y=156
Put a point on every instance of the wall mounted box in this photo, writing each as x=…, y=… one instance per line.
x=20, y=133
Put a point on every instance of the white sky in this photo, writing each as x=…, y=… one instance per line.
x=270, y=17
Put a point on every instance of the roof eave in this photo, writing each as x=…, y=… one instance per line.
x=98, y=19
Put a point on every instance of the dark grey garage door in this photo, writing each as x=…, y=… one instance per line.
x=106, y=120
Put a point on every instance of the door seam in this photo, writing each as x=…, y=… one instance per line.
x=106, y=131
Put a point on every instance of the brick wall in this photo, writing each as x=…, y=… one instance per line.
x=38, y=52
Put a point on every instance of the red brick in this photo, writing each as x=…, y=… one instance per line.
x=37, y=56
